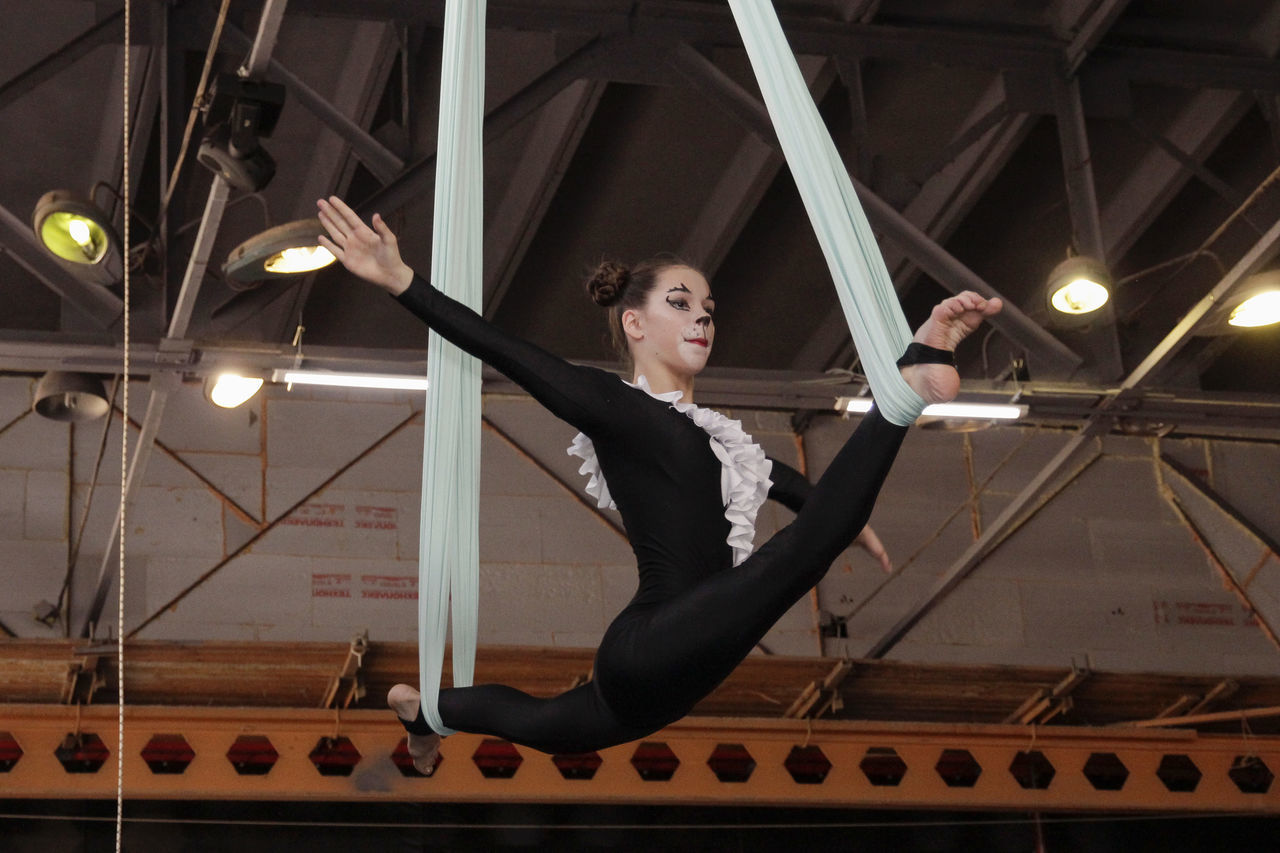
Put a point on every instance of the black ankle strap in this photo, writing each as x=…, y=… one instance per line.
x=918, y=353
x=418, y=726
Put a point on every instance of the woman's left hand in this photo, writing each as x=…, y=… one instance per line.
x=870, y=542
x=370, y=252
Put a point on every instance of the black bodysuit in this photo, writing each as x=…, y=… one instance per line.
x=695, y=615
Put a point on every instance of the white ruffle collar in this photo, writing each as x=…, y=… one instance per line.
x=744, y=468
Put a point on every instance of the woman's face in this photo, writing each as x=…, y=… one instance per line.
x=676, y=324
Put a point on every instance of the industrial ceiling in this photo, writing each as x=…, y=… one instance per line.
x=990, y=141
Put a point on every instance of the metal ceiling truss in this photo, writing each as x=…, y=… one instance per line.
x=102, y=307
x=825, y=35
x=1100, y=420
x=1054, y=404
x=955, y=276
x=172, y=346
x=53, y=751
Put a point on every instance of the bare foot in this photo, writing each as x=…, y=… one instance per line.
x=423, y=749
x=950, y=322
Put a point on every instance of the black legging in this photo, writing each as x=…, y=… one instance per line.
x=657, y=662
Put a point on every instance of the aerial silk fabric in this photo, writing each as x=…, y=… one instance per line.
x=866, y=291
x=448, y=551
x=449, y=536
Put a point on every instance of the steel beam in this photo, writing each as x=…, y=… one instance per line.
x=1193, y=70
x=179, y=322
x=931, y=257
x=1077, y=168
x=1102, y=340
x=1234, y=578
x=748, y=173
x=418, y=179
x=1258, y=256
x=1197, y=130
x=531, y=188
x=383, y=163
x=986, y=141
x=1191, y=413
x=1088, y=25
x=991, y=535
x=109, y=30
x=264, y=41
x=1225, y=191
x=1148, y=187
x=846, y=763
x=1099, y=422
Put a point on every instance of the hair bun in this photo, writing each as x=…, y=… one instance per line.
x=608, y=282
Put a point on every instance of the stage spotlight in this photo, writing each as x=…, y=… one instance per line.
x=229, y=390
x=1260, y=309
x=238, y=115
x=285, y=250
x=71, y=227
x=1078, y=286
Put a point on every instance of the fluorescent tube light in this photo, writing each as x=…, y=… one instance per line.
x=969, y=411
x=975, y=411
x=386, y=381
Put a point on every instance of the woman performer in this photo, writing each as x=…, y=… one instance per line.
x=703, y=600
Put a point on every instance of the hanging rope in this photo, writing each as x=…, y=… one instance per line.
x=124, y=438
x=866, y=291
x=448, y=551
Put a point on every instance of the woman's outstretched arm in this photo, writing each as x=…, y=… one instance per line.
x=571, y=392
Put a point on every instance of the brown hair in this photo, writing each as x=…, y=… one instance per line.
x=619, y=288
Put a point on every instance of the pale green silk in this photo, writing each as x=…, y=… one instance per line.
x=448, y=551
x=866, y=291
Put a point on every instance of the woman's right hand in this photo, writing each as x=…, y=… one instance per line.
x=371, y=253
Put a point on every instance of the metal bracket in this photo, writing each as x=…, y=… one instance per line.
x=821, y=696
x=348, y=685
x=1043, y=705
x=1222, y=690
x=178, y=352
x=84, y=676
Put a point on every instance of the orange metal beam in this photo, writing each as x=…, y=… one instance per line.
x=854, y=764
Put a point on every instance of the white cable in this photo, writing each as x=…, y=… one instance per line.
x=124, y=444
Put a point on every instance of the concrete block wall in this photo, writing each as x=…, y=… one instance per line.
x=1106, y=571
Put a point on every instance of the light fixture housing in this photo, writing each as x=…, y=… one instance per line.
x=239, y=113
x=229, y=390
x=78, y=233
x=279, y=252
x=1078, y=287
x=69, y=397
x=1261, y=309
x=1254, y=304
